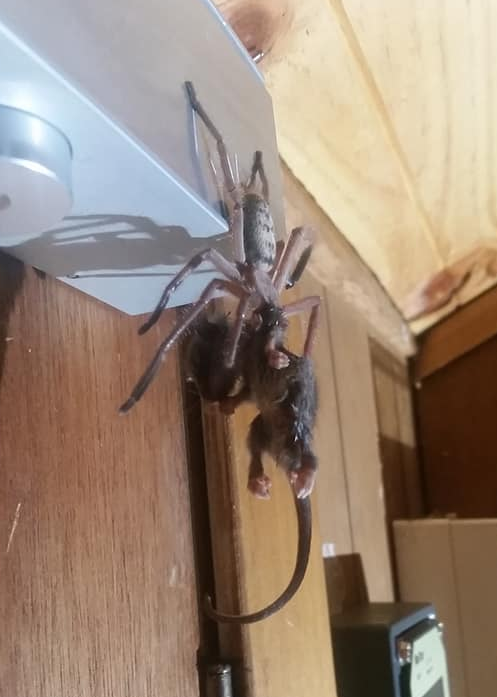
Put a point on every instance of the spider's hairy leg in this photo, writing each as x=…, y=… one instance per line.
x=236, y=331
x=215, y=287
x=290, y=259
x=258, y=169
x=231, y=186
x=225, y=267
x=280, y=248
x=236, y=229
x=256, y=163
x=300, y=266
x=312, y=303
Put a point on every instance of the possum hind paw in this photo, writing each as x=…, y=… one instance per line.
x=260, y=486
x=302, y=481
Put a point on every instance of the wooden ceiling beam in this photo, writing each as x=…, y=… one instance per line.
x=337, y=265
x=458, y=334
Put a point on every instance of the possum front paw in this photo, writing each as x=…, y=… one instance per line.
x=260, y=486
x=302, y=481
x=277, y=359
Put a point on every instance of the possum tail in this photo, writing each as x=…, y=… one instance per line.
x=304, y=518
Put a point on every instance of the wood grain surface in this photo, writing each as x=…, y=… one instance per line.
x=97, y=585
x=457, y=412
x=475, y=568
x=385, y=111
x=359, y=428
x=336, y=266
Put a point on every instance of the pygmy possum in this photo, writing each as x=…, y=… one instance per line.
x=286, y=398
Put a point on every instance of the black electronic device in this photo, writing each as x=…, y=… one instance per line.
x=389, y=650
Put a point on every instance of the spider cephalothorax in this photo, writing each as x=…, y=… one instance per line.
x=261, y=270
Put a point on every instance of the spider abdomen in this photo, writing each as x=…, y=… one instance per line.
x=258, y=232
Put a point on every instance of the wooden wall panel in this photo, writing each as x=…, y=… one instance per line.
x=400, y=466
x=97, y=583
x=475, y=565
x=411, y=461
x=457, y=412
x=399, y=456
x=363, y=469
x=391, y=450
x=345, y=582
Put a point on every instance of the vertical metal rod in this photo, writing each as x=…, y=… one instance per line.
x=219, y=682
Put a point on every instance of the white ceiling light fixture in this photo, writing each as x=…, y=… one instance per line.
x=143, y=196
x=35, y=176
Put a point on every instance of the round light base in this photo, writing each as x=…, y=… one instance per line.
x=35, y=176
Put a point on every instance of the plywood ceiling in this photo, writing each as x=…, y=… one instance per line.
x=386, y=112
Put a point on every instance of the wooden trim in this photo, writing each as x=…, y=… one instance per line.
x=359, y=431
x=457, y=335
x=388, y=362
x=345, y=582
x=225, y=531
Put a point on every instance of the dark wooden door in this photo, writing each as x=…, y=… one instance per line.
x=457, y=412
x=97, y=585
